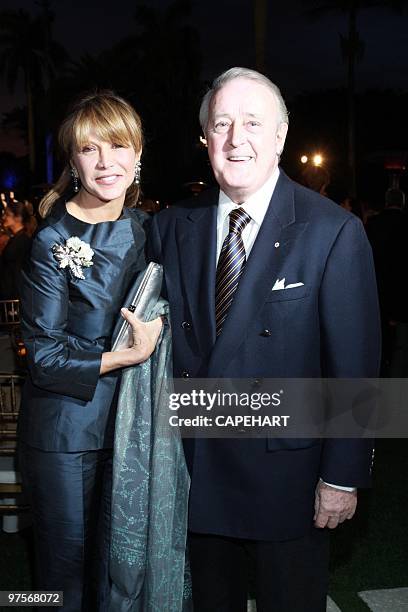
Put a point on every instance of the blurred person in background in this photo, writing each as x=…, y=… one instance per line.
x=18, y=224
x=149, y=206
x=352, y=205
x=4, y=236
x=388, y=234
x=316, y=178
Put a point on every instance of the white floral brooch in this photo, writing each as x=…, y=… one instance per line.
x=75, y=255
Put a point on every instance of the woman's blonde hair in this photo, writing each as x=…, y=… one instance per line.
x=113, y=120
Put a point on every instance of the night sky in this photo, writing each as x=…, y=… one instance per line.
x=301, y=55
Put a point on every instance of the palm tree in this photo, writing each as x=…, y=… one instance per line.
x=352, y=47
x=27, y=51
x=166, y=90
x=260, y=12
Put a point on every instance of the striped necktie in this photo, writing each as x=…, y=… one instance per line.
x=230, y=266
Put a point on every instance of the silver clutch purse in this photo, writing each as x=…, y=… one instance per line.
x=140, y=300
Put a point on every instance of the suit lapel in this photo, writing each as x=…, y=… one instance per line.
x=197, y=243
x=263, y=265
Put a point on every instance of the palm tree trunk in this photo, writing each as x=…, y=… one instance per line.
x=352, y=49
x=30, y=126
x=260, y=30
x=47, y=16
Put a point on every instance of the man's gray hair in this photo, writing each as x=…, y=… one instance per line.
x=241, y=73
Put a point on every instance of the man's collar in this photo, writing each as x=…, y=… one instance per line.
x=256, y=205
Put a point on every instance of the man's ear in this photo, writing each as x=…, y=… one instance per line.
x=281, y=137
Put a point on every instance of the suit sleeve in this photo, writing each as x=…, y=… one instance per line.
x=350, y=342
x=154, y=250
x=53, y=363
x=153, y=245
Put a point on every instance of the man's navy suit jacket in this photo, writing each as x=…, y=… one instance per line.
x=327, y=327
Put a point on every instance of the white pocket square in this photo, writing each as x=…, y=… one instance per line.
x=280, y=284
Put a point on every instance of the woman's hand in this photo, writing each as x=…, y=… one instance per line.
x=145, y=337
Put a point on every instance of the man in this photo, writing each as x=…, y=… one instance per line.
x=305, y=306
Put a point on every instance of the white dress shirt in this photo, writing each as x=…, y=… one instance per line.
x=256, y=207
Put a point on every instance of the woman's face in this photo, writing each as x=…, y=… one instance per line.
x=105, y=169
x=10, y=221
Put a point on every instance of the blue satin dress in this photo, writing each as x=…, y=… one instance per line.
x=68, y=410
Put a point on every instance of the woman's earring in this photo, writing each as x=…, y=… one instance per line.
x=137, y=172
x=75, y=181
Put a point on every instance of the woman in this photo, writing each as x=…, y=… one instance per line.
x=83, y=259
x=17, y=222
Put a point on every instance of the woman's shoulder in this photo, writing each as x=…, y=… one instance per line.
x=138, y=215
x=44, y=238
x=46, y=229
x=47, y=225
x=139, y=218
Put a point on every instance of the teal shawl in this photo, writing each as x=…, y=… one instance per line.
x=148, y=563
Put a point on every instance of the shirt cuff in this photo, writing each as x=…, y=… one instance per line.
x=341, y=488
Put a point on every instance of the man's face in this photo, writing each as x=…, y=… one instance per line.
x=244, y=137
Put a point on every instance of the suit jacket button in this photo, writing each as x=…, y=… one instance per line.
x=185, y=374
x=266, y=333
x=186, y=325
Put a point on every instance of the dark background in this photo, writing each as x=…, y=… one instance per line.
x=162, y=58
x=162, y=54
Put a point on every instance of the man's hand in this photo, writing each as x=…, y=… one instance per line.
x=333, y=506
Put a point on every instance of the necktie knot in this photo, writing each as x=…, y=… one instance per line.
x=239, y=219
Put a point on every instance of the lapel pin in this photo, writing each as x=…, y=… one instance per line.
x=276, y=245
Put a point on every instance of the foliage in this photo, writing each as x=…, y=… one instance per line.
x=27, y=50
